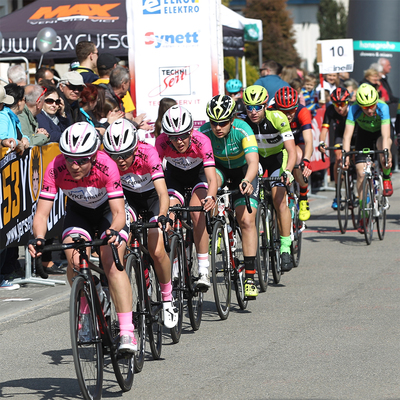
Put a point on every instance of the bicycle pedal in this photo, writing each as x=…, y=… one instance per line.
x=251, y=298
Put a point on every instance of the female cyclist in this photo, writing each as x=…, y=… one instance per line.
x=189, y=163
x=144, y=187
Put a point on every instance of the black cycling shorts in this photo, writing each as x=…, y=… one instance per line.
x=146, y=204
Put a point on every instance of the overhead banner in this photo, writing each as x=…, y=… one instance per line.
x=175, y=50
x=21, y=179
x=233, y=42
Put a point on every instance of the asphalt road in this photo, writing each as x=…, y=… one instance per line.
x=329, y=330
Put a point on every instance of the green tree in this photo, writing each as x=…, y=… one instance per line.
x=332, y=20
x=279, y=40
x=252, y=73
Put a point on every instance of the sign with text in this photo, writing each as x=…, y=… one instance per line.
x=334, y=56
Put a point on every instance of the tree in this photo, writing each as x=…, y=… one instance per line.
x=332, y=20
x=278, y=33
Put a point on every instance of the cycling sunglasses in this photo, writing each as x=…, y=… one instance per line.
x=257, y=108
x=180, y=137
x=122, y=156
x=221, y=124
x=79, y=88
x=368, y=107
x=340, y=103
x=78, y=160
x=52, y=101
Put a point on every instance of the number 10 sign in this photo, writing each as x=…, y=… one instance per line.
x=335, y=55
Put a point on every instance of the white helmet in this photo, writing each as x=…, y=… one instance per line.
x=120, y=137
x=177, y=120
x=79, y=140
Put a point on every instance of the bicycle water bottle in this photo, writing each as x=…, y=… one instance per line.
x=231, y=237
x=291, y=206
x=102, y=296
x=147, y=278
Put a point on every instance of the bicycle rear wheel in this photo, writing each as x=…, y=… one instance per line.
x=221, y=271
x=368, y=209
x=176, y=257
x=155, y=324
x=86, y=341
x=195, y=297
x=383, y=205
x=263, y=256
x=295, y=247
x=239, y=271
x=276, y=255
x=342, y=198
x=138, y=317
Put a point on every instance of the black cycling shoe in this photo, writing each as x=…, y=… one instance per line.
x=287, y=262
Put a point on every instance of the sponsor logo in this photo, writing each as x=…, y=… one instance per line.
x=158, y=7
x=170, y=40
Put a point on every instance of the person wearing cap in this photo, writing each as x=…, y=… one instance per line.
x=87, y=54
x=70, y=88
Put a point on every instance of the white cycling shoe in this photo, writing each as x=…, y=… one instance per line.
x=170, y=314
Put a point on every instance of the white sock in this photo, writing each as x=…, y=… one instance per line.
x=203, y=262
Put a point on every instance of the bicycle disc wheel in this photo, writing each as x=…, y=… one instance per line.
x=368, y=209
x=195, y=297
x=239, y=272
x=263, y=257
x=177, y=285
x=221, y=272
x=342, y=201
x=155, y=326
x=86, y=342
x=295, y=247
x=138, y=317
x=383, y=205
x=275, y=248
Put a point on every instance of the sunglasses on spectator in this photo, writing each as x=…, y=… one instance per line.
x=340, y=103
x=257, y=108
x=368, y=107
x=78, y=160
x=180, y=137
x=221, y=124
x=122, y=156
x=74, y=88
x=43, y=93
x=52, y=101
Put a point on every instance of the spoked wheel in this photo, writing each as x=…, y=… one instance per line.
x=239, y=272
x=138, y=308
x=86, y=342
x=368, y=209
x=353, y=202
x=295, y=247
x=176, y=258
x=263, y=251
x=342, y=200
x=195, y=298
x=221, y=271
x=123, y=364
x=155, y=323
x=275, y=249
x=383, y=205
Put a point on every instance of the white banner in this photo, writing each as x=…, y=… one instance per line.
x=175, y=50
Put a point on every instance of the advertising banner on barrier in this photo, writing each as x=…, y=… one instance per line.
x=21, y=180
x=316, y=161
x=176, y=51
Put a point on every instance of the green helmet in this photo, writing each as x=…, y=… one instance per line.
x=255, y=95
x=221, y=108
x=367, y=95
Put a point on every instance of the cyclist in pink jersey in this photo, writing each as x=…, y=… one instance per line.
x=95, y=201
x=189, y=163
x=144, y=187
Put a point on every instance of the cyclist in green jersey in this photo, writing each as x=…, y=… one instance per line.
x=277, y=150
x=236, y=158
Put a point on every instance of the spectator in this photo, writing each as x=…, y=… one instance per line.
x=343, y=76
x=309, y=93
x=271, y=81
x=10, y=127
x=330, y=83
x=16, y=74
x=34, y=100
x=70, y=88
x=74, y=65
x=87, y=55
x=296, y=84
x=165, y=104
x=351, y=85
x=289, y=73
x=44, y=77
x=50, y=117
x=9, y=265
x=393, y=100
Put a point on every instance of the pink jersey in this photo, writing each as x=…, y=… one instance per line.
x=199, y=152
x=102, y=183
x=145, y=169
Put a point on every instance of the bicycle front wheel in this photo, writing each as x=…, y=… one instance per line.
x=155, y=326
x=342, y=198
x=295, y=247
x=383, y=205
x=221, y=272
x=86, y=342
x=275, y=248
x=263, y=256
x=368, y=209
x=239, y=271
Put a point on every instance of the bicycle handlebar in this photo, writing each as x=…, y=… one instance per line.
x=247, y=199
x=365, y=151
x=150, y=225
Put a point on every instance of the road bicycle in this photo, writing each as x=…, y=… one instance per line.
x=227, y=260
x=374, y=205
x=146, y=292
x=102, y=337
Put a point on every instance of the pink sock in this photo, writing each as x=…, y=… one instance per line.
x=166, y=291
x=84, y=306
x=125, y=323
